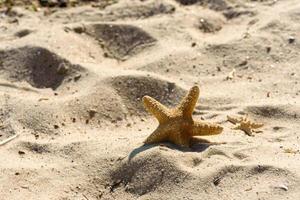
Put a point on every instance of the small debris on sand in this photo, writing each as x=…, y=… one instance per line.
x=231, y=75
x=291, y=40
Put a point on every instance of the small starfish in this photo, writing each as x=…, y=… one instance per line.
x=176, y=125
x=245, y=124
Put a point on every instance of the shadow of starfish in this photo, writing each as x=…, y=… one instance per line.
x=197, y=145
x=140, y=149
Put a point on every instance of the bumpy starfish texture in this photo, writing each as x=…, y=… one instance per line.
x=245, y=124
x=176, y=125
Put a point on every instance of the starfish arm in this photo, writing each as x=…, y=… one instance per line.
x=244, y=127
x=247, y=130
x=159, y=135
x=189, y=102
x=255, y=125
x=155, y=108
x=237, y=127
x=204, y=128
x=234, y=120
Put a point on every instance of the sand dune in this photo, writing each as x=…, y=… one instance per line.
x=72, y=81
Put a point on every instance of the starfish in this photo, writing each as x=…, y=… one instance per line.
x=245, y=124
x=176, y=125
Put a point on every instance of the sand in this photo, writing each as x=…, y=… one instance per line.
x=72, y=80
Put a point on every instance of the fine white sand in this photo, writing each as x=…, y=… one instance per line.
x=71, y=84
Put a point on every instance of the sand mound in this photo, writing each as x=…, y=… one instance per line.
x=152, y=171
x=142, y=10
x=96, y=105
x=216, y=5
x=122, y=10
x=232, y=13
x=251, y=178
x=132, y=88
x=145, y=174
x=275, y=26
x=120, y=40
x=285, y=112
x=38, y=123
x=35, y=147
x=240, y=53
x=92, y=108
x=210, y=24
x=294, y=14
x=38, y=66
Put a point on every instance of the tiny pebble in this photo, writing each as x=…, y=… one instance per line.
x=291, y=39
x=283, y=187
x=21, y=152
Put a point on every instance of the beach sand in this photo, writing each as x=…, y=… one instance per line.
x=72, y=80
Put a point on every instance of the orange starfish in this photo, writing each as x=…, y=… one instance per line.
x=176, y=125
x=245, y=124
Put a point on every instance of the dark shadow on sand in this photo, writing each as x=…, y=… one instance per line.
x=197, y=145
x=140, y=149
